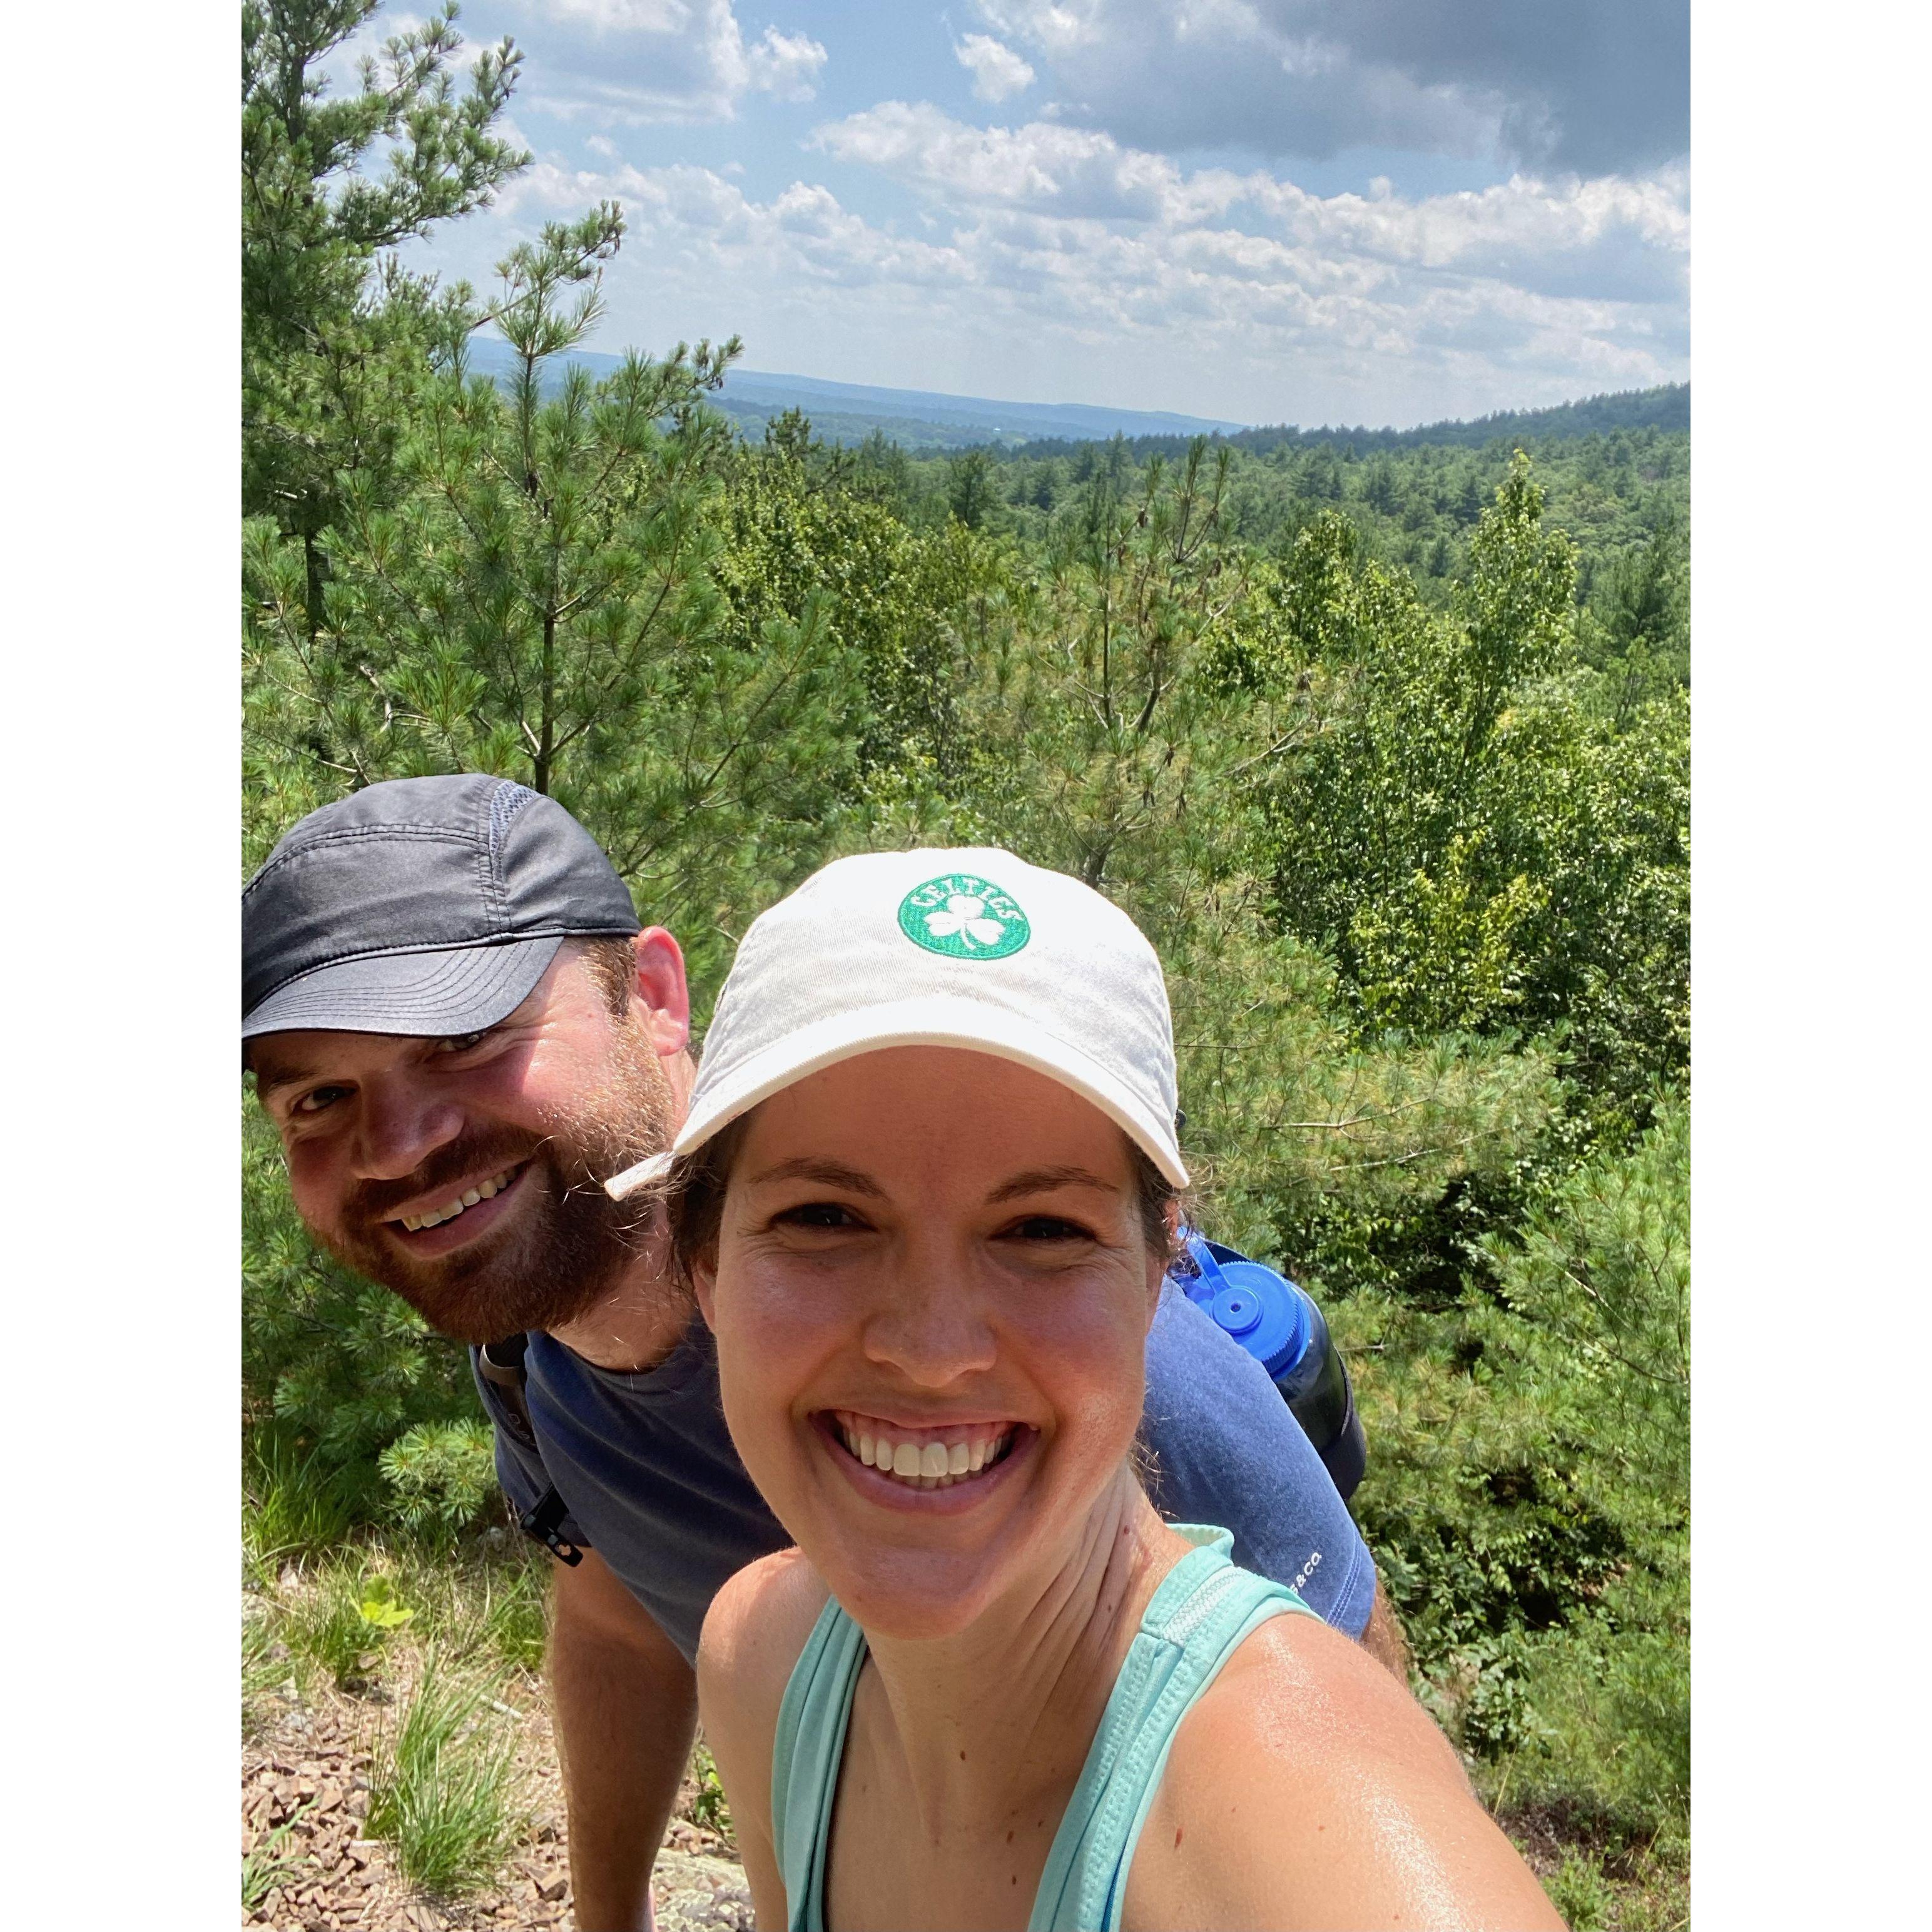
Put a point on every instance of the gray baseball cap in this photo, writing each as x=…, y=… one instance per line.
x=427, y=906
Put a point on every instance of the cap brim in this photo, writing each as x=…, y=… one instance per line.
x=457, y=990
x=935, y=1020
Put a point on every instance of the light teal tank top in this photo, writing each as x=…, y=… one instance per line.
x=1197, y=1619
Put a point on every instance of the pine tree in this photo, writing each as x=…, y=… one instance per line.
x=541, y=601
x=332, y=332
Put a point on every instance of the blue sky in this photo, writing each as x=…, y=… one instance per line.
x=1382, y=210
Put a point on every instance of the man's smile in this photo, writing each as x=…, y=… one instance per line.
x=460, y=1213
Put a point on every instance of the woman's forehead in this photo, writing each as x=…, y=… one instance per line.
x=912, y=1103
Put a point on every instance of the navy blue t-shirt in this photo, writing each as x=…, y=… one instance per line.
x=647, y=1472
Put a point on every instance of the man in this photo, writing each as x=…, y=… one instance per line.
x=459, y=1029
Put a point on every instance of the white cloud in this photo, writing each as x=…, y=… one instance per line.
x=1091, y=270
x=653, y=61
x=1626, y=239
x=786, y=64
x=997, y=71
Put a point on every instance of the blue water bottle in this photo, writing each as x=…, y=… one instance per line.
x=1278, y=1324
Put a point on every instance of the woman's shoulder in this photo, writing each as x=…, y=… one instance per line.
x=1307, y=1787
x=755, y=1628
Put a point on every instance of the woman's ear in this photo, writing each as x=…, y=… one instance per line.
x=704, y=1283
x=1158, y=1264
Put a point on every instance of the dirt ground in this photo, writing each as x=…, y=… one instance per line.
x=310, y=1763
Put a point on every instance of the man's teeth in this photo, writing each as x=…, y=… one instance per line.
x=483, y=1191
x=924, y=1462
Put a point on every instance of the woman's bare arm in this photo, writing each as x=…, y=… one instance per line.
x=1308, y=1789
x=756, y=1627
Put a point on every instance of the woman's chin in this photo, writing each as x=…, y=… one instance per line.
x=906, y=1607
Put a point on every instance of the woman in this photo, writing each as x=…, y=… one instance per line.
x=926, y=1193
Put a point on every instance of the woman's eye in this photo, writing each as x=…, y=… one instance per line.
x=818, y=1214
x=1047, y=1228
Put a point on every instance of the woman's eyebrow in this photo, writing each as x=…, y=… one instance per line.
x=1044, y=1180
x=827, y=1173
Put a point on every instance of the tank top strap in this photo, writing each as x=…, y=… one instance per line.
x=806, y=1751
x=1203, y=1611
x=1197, y=1618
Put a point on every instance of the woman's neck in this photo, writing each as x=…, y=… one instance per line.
x=1001, y=1716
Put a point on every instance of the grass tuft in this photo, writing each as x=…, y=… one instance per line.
x=267, y=1865
x=323, y=1625
x=292, y=1506
x=265, y=1669
x=444, y=1791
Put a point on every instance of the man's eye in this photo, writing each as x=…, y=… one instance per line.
x=818, y=1214
x=462, y=1042
x=318, y=1098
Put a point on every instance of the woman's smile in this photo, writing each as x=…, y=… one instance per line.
x=943, y=1470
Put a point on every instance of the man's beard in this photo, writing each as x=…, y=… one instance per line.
x=570, y=1244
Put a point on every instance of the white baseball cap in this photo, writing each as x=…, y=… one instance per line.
x=971, y=948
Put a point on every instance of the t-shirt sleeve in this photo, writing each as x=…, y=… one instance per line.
x=519, y=1469
x=1228, y=1451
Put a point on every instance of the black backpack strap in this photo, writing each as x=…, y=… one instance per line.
x=501, y=1365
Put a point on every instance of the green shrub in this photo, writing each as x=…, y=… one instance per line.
x=443, y=1476
x=1577, y=1890
x=329, y=1362
x=1527, y=1496
x=443, y=1791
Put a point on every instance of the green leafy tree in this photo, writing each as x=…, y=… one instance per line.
x=801, y=530
x=332, y=332
x=1477, y=845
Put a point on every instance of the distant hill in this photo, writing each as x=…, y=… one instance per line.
x=914, y=418
x=1668, y=408
x=924, y=419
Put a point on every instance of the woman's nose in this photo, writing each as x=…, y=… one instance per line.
x=930, y=1326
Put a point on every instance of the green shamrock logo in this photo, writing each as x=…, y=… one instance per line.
x=963, y=917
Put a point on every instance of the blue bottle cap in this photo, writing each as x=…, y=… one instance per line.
x=1260, y=1309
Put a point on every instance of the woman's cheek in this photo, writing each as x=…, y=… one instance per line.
x=775, y=1332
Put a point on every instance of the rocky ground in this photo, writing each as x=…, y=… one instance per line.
x=306, y=1769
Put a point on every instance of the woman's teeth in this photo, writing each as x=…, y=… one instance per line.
x=924, y=1461
x=469, y=1198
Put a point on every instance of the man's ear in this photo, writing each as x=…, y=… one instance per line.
x=658, y=991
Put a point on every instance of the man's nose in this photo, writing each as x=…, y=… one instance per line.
x=931, y=1323
x=397, y=1128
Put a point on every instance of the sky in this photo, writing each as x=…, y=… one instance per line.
x=1381, y=212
